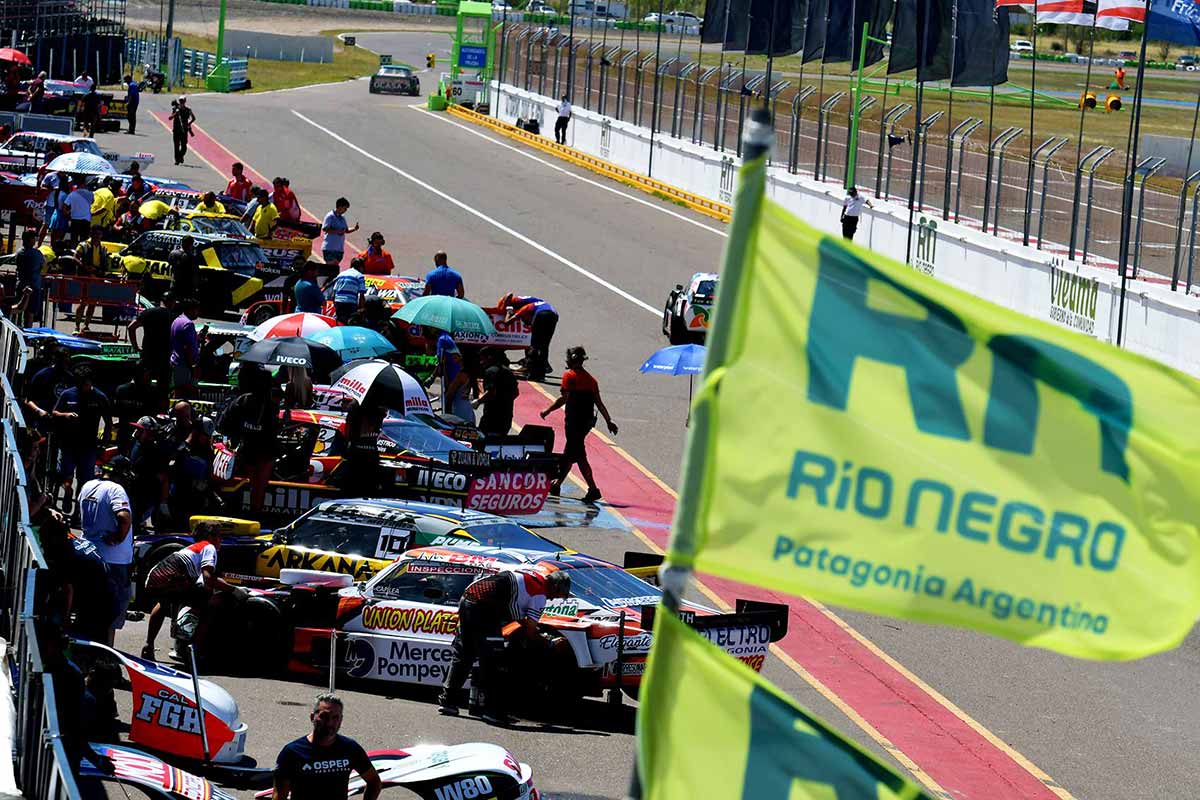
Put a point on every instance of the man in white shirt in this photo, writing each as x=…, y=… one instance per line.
x=105, y=519
x=79, y=206
x=564, y=116
x=852, y=208
x=86, y=81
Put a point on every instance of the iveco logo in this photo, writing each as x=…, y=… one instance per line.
x=291, y=361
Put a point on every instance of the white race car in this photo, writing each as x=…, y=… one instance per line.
x=688, y=309
x=29, y=150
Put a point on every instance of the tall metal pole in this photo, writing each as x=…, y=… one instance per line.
x=950, y=112
x=503, y=48
x=917, y=134
x=1087, y=84
x=770, y=61
x=856, y=111
x=1135, y=130
x=1187, y=177
x=570, y=92
x=1029, y=172
x=657, y=78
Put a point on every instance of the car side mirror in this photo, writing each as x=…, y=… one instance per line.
x=280, y=537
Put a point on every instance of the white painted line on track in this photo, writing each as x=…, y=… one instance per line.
x=541, y=248
x=582, y=179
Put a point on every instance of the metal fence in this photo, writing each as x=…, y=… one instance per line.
x=40, y=759
x=966, y=171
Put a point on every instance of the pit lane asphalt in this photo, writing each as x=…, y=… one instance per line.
x=1100, y=730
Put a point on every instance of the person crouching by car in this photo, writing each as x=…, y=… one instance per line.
x=488, y=606
x=542, y=319
x=186, y=577
x=251, y=424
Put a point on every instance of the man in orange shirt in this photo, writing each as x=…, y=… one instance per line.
x=240, y=188
x=376, y=260
x=581, y=396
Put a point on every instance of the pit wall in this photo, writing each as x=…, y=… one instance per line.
x=1159, y=323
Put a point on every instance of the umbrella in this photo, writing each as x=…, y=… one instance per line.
x=81, y=164
x=296, y=324
x=462, y=319
x=14, y=56
x=351, y=342
x=386, y=384
x=292, y=351
x=679, y=359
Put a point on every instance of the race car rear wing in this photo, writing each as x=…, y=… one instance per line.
x=643, y=565
x=747, y=613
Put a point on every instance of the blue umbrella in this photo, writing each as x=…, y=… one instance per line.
x=678, y=359
x=351, y=342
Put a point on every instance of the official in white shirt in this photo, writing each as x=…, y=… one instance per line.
x=564, y=116
x=852, y=208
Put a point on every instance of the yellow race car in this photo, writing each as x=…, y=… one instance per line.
x=228, y=268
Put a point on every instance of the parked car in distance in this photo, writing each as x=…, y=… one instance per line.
x=1187, y=62
x=1021, y=46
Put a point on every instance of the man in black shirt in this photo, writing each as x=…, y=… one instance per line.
x=185, y=269
x=155, y=347
x=317, y=766
x=133, y=400
x=251, y=424
x=499, y=393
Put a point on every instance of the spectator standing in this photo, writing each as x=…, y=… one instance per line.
x=182, y=119
x=581, y=395
x=349, y=291
x=239, y=186
x=285, y=200
x=265, y=216
x=443, y=279
x=93, y=261
x=500, y=391
x=106, y=520
x=37, y=93
x=185, y=349
x=185, y=268
x=209, y=204
x=542, y=319
x=56, y=220
x=155, y=347
x=149, y=489
x=31, y=266
x=376, y=260
x=308, y=295
x=79, y=211
x=318, y=766
x=133, y=97
x=852, y=207
x=564, y=117
x=335, y=228
x=251, y=424
x=47, y=385
x=456, y=381
x=77, y=416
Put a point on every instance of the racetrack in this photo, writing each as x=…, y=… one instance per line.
x=515, y=220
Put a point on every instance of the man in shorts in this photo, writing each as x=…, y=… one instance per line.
x=581, y=396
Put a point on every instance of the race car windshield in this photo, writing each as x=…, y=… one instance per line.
x=86, y=146
x=225, y=226
x=706, y=288
x=420, y=439
x=336, y=534
x=241, y=258
x=609, y=587
x=398, y=72
x=508, y=534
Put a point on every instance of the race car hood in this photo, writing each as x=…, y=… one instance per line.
x=135, y=768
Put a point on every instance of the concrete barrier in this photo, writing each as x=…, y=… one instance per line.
x=278, y=47
x=1159, y=323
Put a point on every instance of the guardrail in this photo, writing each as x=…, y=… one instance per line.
x=41, y=763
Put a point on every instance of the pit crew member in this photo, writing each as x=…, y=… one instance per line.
x=488, y=607
x=317, y=766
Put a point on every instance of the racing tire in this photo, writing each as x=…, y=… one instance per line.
x=264, y=652
x=260, y=315
x=678, y=334
x=145, y=600
x=666, y=319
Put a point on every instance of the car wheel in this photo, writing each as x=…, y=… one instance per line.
x=260, y=315
x=666, y=320
x=678, y=334
x=266, y=631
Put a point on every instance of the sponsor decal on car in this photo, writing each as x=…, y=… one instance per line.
x=465, y=789
x=509, y=492
x=635, y=643
x=169, y=710
x=275, y=559
x=410, y=620
x=632, y=602
x=402, y=660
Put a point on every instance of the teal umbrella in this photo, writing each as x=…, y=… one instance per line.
x=462, y=319
x=353, y=342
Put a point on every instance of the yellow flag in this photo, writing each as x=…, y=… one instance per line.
x=871, y=437
x=757, y=743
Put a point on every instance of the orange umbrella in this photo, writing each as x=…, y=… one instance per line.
x=14, y=56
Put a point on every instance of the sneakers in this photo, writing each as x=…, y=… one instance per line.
x=447, y=708
x=497, y=718
x=148, y=653
x=592, y=496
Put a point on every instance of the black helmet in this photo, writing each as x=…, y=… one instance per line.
x=560, y=582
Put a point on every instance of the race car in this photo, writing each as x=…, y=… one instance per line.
x=65, y=99
x=228, y=272
x=395, y=79
x=353, y=536
x=393, y=290
x=688, y=310
x=399, y=625
x=28, y=151
x=313, y=445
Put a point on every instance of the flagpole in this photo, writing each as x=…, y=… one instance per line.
x=1087, y=84
x=717, y=137
x=855, y=113
x=950, y=111
x=918, y=132
x=1029, y=172
x=654, y=101
x=1135, y=129
x=770, y=61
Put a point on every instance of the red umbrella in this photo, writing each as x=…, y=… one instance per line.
x=14, y=56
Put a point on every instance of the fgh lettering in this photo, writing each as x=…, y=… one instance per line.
x=164, y=710
x=930, y=351
x=975, y=515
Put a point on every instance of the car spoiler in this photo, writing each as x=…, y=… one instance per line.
x=746, y=613
x=643, y=565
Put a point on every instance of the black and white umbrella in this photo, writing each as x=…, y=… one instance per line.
x=386, y=384
x=292, y=351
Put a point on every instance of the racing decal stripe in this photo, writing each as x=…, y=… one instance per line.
x=949, y=753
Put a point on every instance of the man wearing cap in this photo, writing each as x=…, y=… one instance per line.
x=581, y=396
x=106, y=520
x=134, y=400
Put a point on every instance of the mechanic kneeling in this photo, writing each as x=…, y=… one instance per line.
x=186, y=577
x=488, y=606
